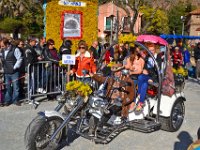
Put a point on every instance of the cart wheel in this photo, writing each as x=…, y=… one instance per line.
x=174, y=122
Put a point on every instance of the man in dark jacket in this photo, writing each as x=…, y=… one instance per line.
x=30, y=53
x=12, y=60
x=197, y=59
x=40, y=46
x=197, y=52
x=31, y=58
x=65, y=47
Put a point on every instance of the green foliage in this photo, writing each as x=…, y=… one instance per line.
x=25, y=17
x=174, y=15
x=10, y=24
x=156, y=19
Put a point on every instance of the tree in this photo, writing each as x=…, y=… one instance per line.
x=29, y=14
x=174, y=15
x=14, y=8
x=11, y=25
x=157, y=24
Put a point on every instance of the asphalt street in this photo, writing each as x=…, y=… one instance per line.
x=15, y=119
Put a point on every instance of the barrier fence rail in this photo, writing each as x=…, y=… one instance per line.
x=45, y=78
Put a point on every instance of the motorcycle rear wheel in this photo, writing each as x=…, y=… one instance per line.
x=40, y=130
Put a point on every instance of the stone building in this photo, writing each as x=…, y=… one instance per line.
x=193, y=23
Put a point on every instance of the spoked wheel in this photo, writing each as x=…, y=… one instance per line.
x=174, y=122
x=39, y=132
x=177, y=115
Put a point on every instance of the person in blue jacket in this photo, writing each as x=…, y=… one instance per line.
x=186, y=58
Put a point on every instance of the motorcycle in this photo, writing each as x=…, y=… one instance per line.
x=100, y=117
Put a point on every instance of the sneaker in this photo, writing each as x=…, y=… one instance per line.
x=44, y=91
x=17, y=104
x=39, y=90
x=6, y=104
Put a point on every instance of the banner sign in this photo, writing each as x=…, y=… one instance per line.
x=68, y=3
x=68, y=59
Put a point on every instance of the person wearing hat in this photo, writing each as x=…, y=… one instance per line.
x=12, y=61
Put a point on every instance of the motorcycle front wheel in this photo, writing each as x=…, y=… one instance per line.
x=40, y=130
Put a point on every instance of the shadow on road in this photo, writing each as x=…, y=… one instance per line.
x=193, y=80
x=184, y=142
x=71, y=136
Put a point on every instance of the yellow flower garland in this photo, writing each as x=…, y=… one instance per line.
x=181, y=71
x=79, y=87
x=53, y=21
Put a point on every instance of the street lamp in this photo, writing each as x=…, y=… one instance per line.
x=183, y=18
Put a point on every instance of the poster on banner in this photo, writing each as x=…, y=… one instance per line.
x=68, y=59
x=71, y=24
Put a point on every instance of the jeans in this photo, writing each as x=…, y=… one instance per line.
x=42, y=77
x=142, y=86
x=12, y=93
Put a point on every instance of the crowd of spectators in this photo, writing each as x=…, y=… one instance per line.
x=16, y=55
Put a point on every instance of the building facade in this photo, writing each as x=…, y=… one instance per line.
x=193, y=23
x=111, y=17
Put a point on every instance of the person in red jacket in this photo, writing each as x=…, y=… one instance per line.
x=177, y=58
x=84, y=61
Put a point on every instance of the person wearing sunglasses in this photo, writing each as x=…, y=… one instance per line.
x=84, y=61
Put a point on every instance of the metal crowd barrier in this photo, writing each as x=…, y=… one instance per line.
x=45, y=78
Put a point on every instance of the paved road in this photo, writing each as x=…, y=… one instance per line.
x=14, y=120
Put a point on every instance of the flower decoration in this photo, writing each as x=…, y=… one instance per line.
x=79, y=87
x=89, y=21
x=127, y=38
x=181, y=71
x=111, y=64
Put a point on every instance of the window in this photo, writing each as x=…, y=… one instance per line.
x=107, y=23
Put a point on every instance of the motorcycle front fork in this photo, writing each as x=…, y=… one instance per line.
x=68, y=117
x=59, y=107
